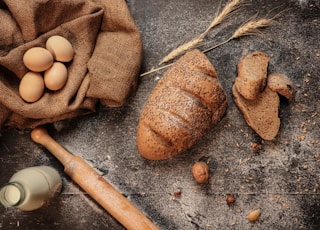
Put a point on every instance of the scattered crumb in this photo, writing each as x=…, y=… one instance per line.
x=243, y=161
x=254, y=215
x=231, y=199
x=301, y=137
x=255, y=147
x=177, y=193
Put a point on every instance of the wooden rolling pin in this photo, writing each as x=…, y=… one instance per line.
x=94, y=184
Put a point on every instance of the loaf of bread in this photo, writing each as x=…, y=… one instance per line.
x=184, y=104
x=252, y=74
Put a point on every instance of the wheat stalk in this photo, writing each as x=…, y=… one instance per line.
x=252, y=27
x=155, y=70
x=226, y=12
x=182, y=49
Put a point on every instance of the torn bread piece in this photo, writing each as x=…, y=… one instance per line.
x=252, y=74
x=261, y=114
x=281, y=84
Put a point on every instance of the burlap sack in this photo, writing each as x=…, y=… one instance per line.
x=108, y=55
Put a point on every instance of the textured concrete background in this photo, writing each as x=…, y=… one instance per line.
x=282, y=179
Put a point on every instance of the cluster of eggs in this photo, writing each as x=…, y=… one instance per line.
x=47, y=68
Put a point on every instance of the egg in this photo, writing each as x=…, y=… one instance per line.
x=56, y=77
x=37, y=59
x=31, y=86
x=60, y=48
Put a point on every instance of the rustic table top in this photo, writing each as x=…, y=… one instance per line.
x=282, y=179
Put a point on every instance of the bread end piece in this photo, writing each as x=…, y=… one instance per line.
x=252, y=74
x=261, y=114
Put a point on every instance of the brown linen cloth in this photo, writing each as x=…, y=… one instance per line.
x=105, y=67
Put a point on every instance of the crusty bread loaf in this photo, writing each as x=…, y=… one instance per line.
x=261, y=114
x=184, y=104
x=252, y=74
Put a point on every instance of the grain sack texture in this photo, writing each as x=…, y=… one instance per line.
x=105, y=67
x=186, y=101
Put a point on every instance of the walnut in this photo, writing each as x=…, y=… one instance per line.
x=200, y=172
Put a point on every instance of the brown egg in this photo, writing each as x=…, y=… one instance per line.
x=60, y=48
x=31, y=86
x=56, y=77
x=37, y=59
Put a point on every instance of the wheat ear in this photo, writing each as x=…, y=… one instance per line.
x=252, y=27
x=227, y=10
x=182, y=49
x=225, y=13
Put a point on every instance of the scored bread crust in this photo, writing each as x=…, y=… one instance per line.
x=183, y=105
x=252, y=74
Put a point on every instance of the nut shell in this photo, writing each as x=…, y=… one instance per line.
x=200, y=172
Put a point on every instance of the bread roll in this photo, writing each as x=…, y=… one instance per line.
x=252, y=74
x=184, y=104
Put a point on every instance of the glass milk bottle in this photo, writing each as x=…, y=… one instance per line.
x=31, y=188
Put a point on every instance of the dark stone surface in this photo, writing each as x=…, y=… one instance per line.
x=282, y=179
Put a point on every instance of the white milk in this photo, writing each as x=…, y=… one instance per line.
x=31, y=188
